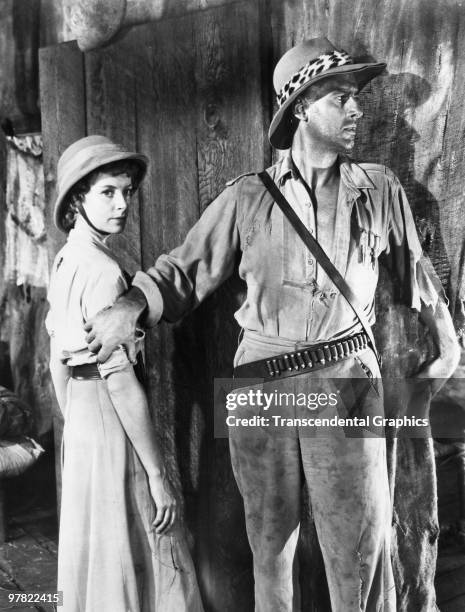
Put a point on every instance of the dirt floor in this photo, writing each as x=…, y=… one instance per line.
x=28, y=560
x=28, y=557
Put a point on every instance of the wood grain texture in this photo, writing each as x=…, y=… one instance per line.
x=62, y=103
x=9, y=107
x=53, y=27
x=175, y=91
x=191, y=127
x=228, y=75
x=166, y=108
x=111, y=111
x=26, y=35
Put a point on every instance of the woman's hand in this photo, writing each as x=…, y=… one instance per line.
x=165, y=503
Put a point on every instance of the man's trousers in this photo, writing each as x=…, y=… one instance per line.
x=344, y=468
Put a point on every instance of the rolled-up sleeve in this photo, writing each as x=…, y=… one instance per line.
x=419, y=281
x=149, y=288
x=181, y=279
x=119, y=360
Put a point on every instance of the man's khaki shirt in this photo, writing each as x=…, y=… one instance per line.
x=288, y=294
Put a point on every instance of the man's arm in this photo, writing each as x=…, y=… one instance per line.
x=417, y=274
x=176, y=284
x=439, y=322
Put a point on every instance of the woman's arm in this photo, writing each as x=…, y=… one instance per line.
x=60, y=376
x=130, y=403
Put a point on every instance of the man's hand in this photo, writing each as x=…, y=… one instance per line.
x=116, y=325
x=442, y=367
x=440, y=325
x=439, y=370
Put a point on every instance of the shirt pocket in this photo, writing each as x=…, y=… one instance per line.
x=298, y=264
x=366, y=226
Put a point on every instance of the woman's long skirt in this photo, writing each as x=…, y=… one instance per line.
x=109, y=559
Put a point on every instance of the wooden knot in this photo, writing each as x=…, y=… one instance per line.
x=211, y=116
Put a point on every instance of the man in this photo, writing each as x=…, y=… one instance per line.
x=293, y=307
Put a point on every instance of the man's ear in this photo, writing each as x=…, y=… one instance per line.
x=300, y=109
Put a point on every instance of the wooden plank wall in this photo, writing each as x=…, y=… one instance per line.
x=185, y=91
x=175, y=90
x=62, y=94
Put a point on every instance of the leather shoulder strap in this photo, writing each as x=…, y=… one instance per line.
x=315, y=248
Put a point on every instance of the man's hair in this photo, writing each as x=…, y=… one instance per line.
x=79, y=190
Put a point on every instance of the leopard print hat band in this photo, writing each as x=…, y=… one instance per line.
x=310, y=61
x=324, y=62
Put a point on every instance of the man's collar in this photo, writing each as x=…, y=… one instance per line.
x=352, y=175
x=287, y=169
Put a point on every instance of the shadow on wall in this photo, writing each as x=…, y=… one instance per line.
x=394, y=139
x=387, y=137
x=214, y=509
x=214, y=512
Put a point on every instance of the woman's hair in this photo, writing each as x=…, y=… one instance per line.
x=79, y=190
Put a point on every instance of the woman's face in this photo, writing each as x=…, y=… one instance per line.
x=106, y=203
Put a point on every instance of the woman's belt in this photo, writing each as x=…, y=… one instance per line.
x=308, y=359
x=90, y=371
x=84, y=371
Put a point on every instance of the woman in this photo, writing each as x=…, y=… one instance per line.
x=119, y=548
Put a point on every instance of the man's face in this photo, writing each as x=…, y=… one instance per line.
x=332, y=111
